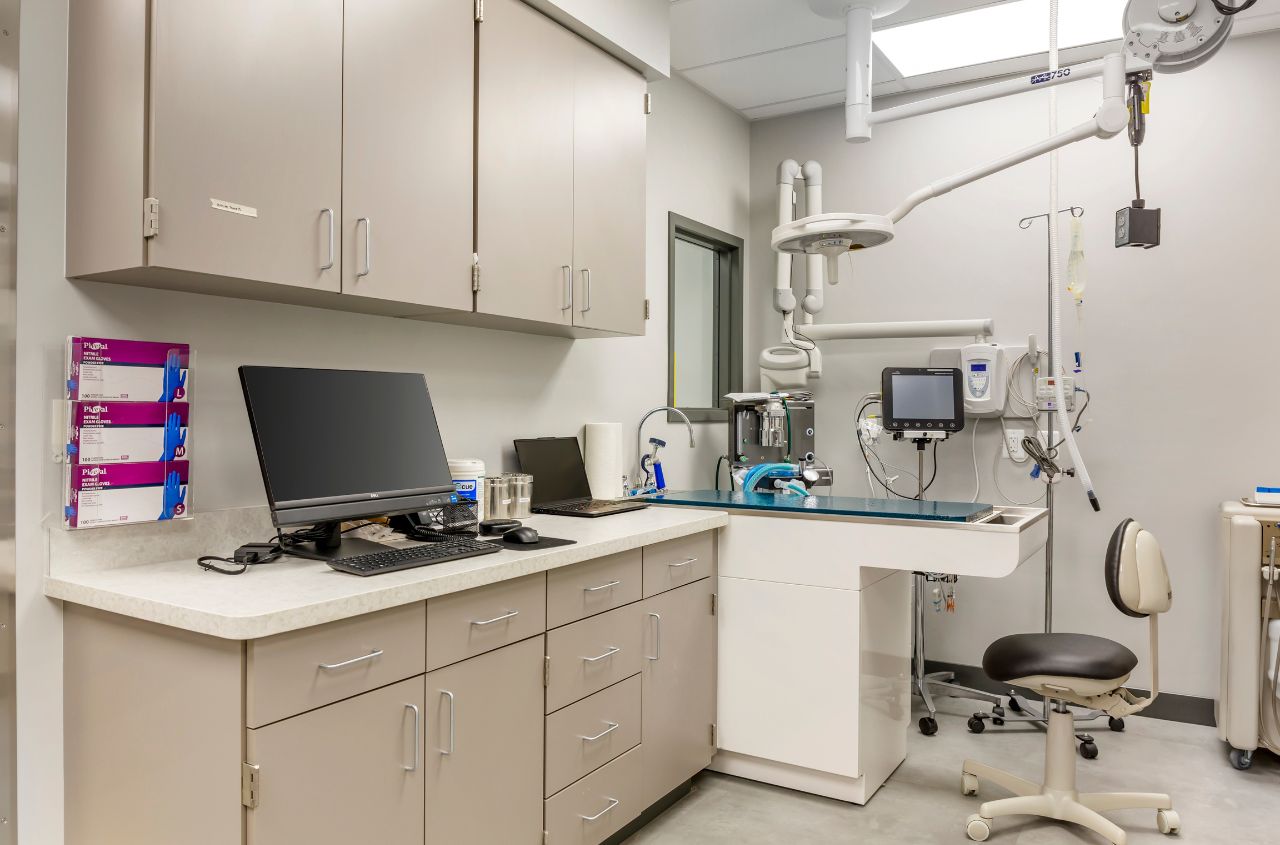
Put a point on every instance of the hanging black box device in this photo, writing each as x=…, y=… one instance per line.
x=1137, y=225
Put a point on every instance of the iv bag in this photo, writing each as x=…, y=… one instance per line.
x=1077, y=271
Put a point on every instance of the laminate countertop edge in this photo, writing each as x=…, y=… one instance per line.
x=294, y=594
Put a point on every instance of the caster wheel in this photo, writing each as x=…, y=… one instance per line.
x=1089, y=750
x=928, y=725
x=976, y=725
x=968, y=784
x=997, y=711
x=1167, y=822
x=1014, y=705
x=1241, y=760
x=1115, y=724
x=978, y=828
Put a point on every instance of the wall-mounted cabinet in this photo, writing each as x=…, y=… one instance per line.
x=324, y=152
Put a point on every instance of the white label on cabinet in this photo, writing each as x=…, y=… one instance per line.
x=233, y=207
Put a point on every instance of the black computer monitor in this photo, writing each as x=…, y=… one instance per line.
x=339, y=445
x=922, y=399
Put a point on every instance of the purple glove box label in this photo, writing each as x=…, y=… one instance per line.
x=112, y=432
x=122, y=493
x=134, y=370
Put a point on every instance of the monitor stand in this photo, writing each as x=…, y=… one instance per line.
x=334, y=546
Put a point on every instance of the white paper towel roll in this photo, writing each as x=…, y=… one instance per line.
x=602, y=451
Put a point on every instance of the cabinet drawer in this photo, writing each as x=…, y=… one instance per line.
x=584, y=736
x=585, y=589
x=465, y=624
x=589, y=655
x=297, y=671
x=596, y=807
x=678, y=562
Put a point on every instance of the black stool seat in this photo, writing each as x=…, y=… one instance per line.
x=1062, y=655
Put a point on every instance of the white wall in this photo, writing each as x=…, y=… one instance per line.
x=1179, y=338
x=488, y=386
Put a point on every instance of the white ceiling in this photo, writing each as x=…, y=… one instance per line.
x=766, y=58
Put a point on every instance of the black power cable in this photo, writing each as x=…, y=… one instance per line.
x=1225, y=9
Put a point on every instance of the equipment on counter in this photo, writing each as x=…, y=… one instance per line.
x=647, y=482
x=392, y=560
x=562, y=487
x=491, y=527
x=523, y=535
x=771, y=442
x=922, y=403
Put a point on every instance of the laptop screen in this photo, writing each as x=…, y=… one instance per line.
x=557, y=469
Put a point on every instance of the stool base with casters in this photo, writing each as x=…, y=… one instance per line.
x=924, y=682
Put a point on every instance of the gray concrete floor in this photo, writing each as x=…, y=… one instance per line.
x=921, y=802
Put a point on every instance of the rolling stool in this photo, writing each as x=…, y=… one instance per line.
x=1088, y=671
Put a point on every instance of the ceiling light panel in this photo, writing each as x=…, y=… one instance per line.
x=993, y=33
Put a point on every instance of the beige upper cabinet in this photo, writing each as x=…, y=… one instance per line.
x=608, y=192
x=407, y=135
x=348, y=772
x=484, y=729
x=561, y=176
x=679, y=687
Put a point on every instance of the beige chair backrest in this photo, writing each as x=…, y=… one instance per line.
x=1137, y=579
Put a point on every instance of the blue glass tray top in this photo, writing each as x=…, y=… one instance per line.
x=828, y=505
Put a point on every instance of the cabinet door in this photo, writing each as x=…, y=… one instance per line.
x=349, y=772
x=246, y=139
x=408, y=95
x=608, y=193
x=679, y=696
x=484, y=728
x=524, y=164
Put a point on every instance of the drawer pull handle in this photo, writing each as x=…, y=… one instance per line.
x=657, y=637
x=377, y=652
x=417, y=737
x=613, y=802
x=613, y=726
x=601, y=587
x=452, y=723
x=683, y=563
x=610, y=653
x=509, y=614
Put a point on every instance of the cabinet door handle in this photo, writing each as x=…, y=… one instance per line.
x=368, y=250
x=377, y=652
x=452, y=723
x=509, y=614
x=613, y=802
x=657, y=636
x=613, y=649
x=417, y=737
x=613, y=726
x=568, y=287
x=586, y=293
x=601, y=587
x=328, y=265
x=683, y=563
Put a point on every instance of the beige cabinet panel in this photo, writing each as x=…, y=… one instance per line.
x=524, y=164
x=300, y=670
x=484, y=730
x=246, y=138
x=462, y=625
x=675, y=563
x=584, y=736
x=407, y=129
x=679, y=687
x=596, y=807
x=608, y=192
x=594, y=653
x=585, y=589
x=349, y=772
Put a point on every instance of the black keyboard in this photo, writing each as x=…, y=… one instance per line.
x=407, y=558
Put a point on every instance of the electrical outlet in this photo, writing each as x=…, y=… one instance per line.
x=1013, y=445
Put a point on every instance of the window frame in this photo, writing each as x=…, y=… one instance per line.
x=727, y=307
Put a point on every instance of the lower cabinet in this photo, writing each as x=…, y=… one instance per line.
x=484, y=742
x=349, y=772
x=679, y=687
x=596, y=807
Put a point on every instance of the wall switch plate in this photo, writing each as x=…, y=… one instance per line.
x=1013, y=444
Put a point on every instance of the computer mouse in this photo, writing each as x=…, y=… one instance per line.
x=523, y=535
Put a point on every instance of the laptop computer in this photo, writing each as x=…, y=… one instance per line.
x=560, y=479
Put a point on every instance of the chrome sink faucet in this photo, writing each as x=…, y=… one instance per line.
x=640, y=438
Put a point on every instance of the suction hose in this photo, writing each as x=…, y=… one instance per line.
x=1055, y=277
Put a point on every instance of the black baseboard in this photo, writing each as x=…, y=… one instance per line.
x=1169, y=706
x=658, y=808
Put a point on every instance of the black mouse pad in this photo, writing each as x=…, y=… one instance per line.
x=543, y=543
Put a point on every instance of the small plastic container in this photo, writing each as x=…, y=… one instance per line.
x=468, y=480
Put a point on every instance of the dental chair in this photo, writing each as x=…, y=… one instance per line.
x=1087, y=671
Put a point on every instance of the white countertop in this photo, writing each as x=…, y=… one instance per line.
x=295, y=593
